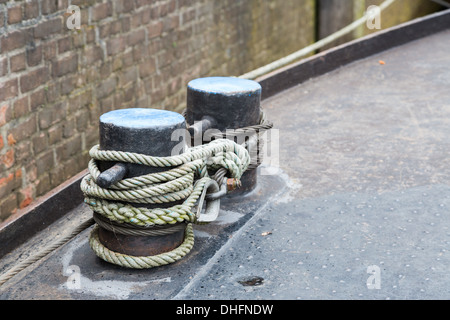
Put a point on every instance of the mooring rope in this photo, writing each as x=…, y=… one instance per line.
x=185, y=179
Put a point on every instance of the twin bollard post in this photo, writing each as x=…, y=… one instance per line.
x=144, y=131
x=154, y=194
x=225, y=104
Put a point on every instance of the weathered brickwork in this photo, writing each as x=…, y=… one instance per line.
x=55, y=82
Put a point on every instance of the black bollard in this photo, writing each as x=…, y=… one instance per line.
x=149, y=132
x=224, y=103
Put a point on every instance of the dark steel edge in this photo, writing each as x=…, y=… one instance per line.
x=39, y=215
x=331, y=59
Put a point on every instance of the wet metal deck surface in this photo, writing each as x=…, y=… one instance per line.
x=364, y=154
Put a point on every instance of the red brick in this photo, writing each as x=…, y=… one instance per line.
x=82, y=121
x=54, y=134
x=3, y=66
x=171, y=22
x=147, y=68
x=141, y=3
x=7, y=159
x=128, y=76
x=106, y=87
x=5, y=114
x=21, y=107
x=23, y=151
x=15, y=14
x=52, y=114
x=37, y=99
x=34, y=55
x=50, y=50
x=78, y=40
x=188, y=15
x=53, y=6
x=33, y=79
x=43, y=185
x=25, y=197
x=52, y=92
x=101, y=11
x=116, y=45
x=39, y=143
x=90, y=35
x=18, y=173
x=44, y=162
x=70, y=147
x=2, y=20
x=11, y=140
x=8, y=206
x=68, y=127
x=64, y=45
x=30, y=172
x=57, y=176
x=126, y=24
x=136, y=37
x=155, y=29
x=136, y=19
x=172, y=6
x=68, y=84
x=47, y=28
x=48, y=6
x=8, y=89
x=123, y=6
x=110, y=28
x=25, y=129
x=92, y=54
x=146, y=16
x=31, y=9
x=6, y=180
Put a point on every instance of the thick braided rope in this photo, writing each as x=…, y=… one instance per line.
x=174, y=184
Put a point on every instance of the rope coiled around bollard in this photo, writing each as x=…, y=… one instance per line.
x=185, y=180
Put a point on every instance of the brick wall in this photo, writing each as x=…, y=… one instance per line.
x=55, y=82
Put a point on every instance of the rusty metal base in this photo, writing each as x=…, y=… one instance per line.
x=140, y=245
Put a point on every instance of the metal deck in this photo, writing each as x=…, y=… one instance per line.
x=364, y=182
